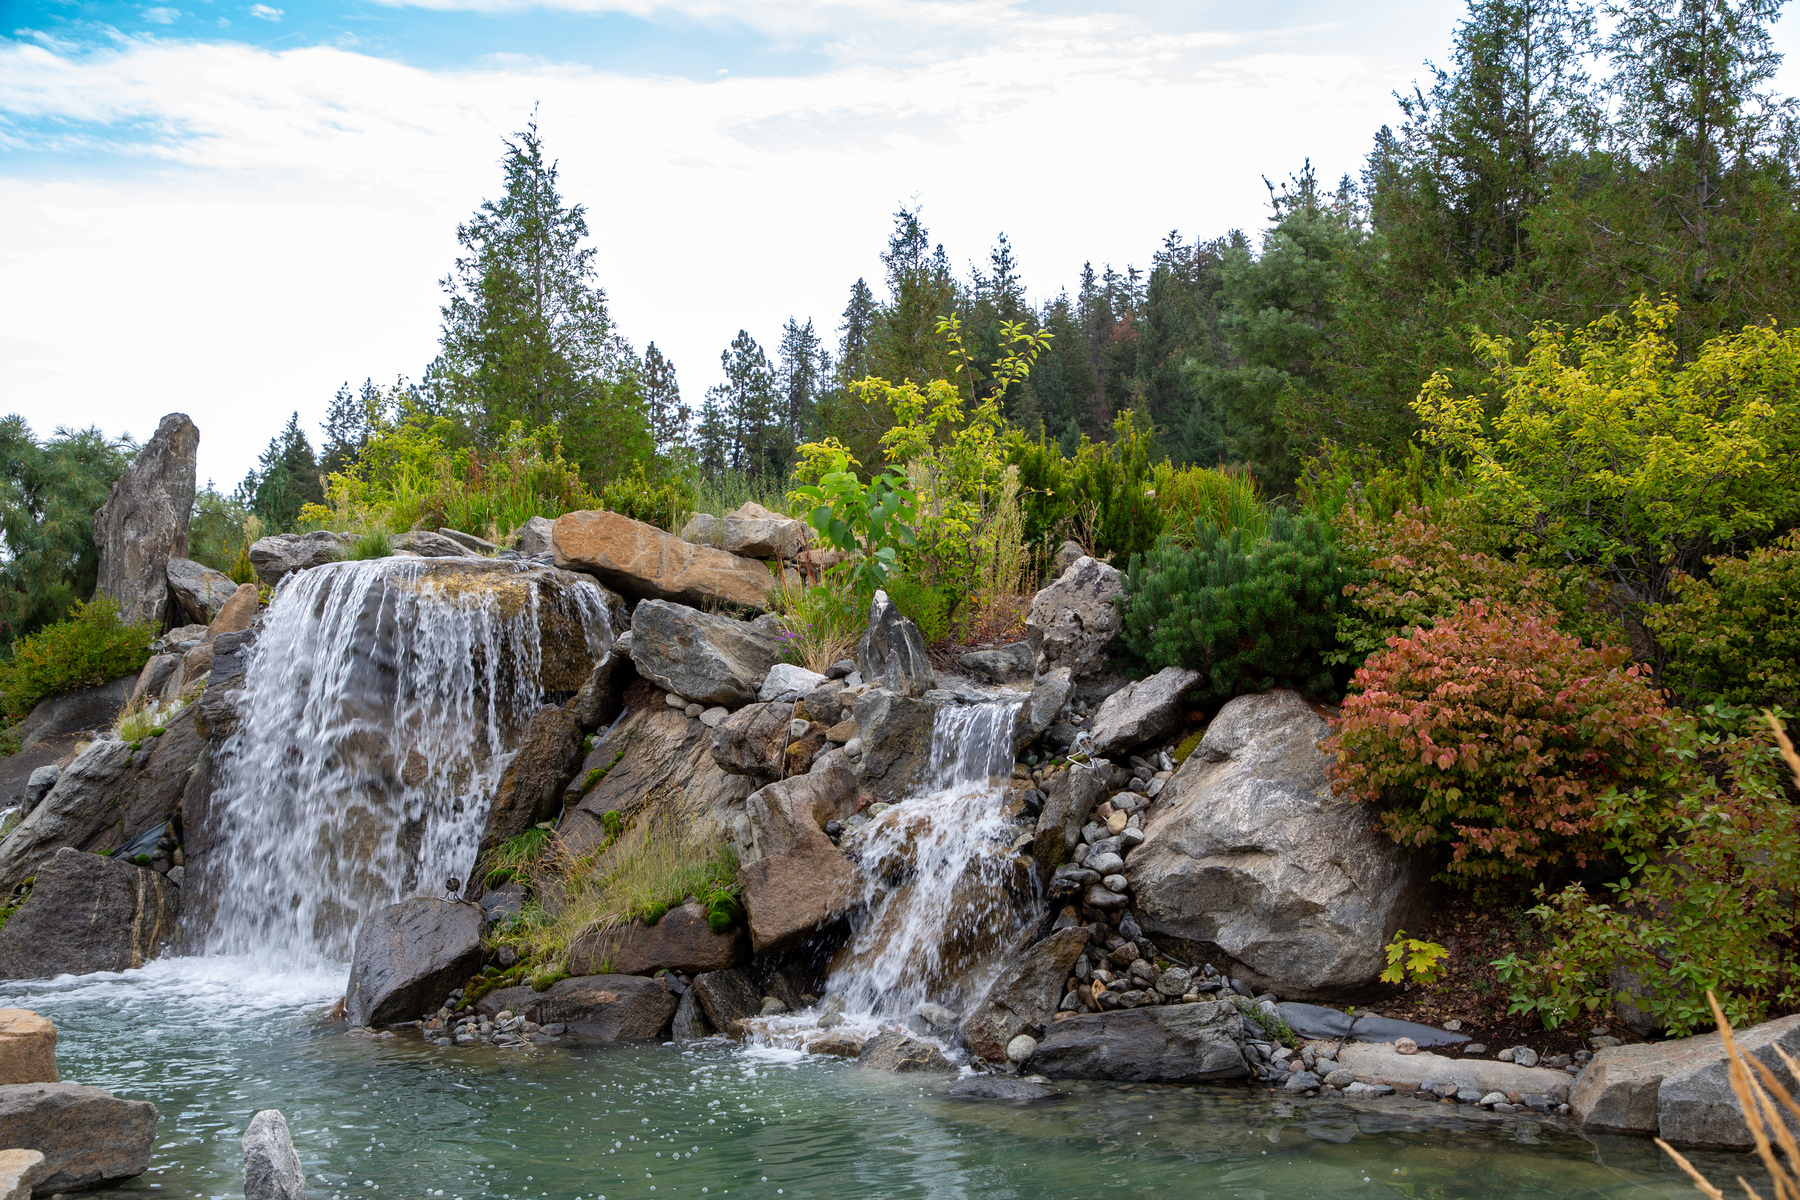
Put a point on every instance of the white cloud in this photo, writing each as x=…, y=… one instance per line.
x=264, y=12
x=161, y=15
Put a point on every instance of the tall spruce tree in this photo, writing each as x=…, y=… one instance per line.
x=669, y=417
x=286, y=477
x=905, y=343
x=749, y=410
x=805, y=367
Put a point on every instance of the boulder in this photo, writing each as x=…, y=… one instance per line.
x=1023, y=1000
x=892, y=652
x=236, y=613
x=144, y=522
x=1067, y=555
x=998, y=1087
x=88, y=913
x=195, y=663
x=1072, y=622
x=1145, y=711
x=702, y=657
x=682, y=941
x=785, y=681
x=1045, y=704
x=726, y=997
x=469, y=541
x=279, y=555
x=19, y=1170
x=271, y=1168
x=426, y=544
x=689, y=1023
x=37, y=786
x=607, y=1008
x=1371, y=1061
x=772, y=536
x=645, y=563
x=602, y=698
x=513, y=999
x=1250, y=861
x=531, y=789
x=83, y=709
x=895, y=732
x=199, y=590
x=1175, y=1043
x=409, y=957
x=784, y=815
x=533, y=537
x=88, y=1137
x=1005, y=664
x=752, y=741
x=1069, y=798
x=891, y=1051
x=154, y=679
x=27, y=1047
x=215, y=712
x=791, y=896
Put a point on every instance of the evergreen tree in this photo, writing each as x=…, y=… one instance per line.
x=805, y=366
x=526, y=334
x=669, y=417
x=905, y=343
x=858, y=327
x=286, y=477
x=714, y=445
x=746, y=409
x=351, y=420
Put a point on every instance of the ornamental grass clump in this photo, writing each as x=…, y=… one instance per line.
x=1496, y=736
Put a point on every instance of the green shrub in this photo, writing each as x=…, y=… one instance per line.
x=90, y=647
x=662, y=502
x=1498, y=736
x=1736, y=637
x=1248, y=613
x=926, y=607
x=371, y=543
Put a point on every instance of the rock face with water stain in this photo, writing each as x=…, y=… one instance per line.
x=144, y=522
x=1181, y=1043
x=408, y=958
x=88, y=1137
x=88, y=913
x=645, y=563
x=606, y=1008
x=895, y=732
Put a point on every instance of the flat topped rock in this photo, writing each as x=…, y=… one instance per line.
x=88, y=1137
x=645, y=563
x=1379, y=1060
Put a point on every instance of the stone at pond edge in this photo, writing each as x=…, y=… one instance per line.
x=607, y=1008
x=409, y=956
x=892, y=651
x=998, y=1087
x=88, y=913
x=271, y=1168
x=892, y=1051
x=1023, y=1000
x=1179, y=1043
x=682, y=941
x=690, y=1023
x=645, y=563
x=19, y=1170
x=726, y=997
x=706, y=658
x=143, y=522
x=88, y=1137
x=27, y=1047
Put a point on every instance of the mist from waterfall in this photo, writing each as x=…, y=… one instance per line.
x=963, y=897
x=381, y=706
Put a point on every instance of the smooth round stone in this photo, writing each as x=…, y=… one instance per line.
x=1021, y=1048
x=674, y=701
x=797, y=727
x=1099, y=897
x=1106, y=863
x=1116, y=883
x=712, y=716
x=694, y=710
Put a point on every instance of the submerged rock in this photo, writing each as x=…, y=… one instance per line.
x=144, y=522
x=1179, y=1043
x=645, y=563
x=409, y=956
x=88, y=913
x=271, y=1168
x=892, y=1051
x=998, y=1087
x=88, y=1137
x=702, y=657
x=1072, y=622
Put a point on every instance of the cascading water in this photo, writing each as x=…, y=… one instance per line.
x=382, y=703
x=945, y=894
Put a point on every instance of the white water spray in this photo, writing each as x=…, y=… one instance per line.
x=382, y=703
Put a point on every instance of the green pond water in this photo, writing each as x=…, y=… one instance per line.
x=211, y=1041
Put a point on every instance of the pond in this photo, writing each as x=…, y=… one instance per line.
x=212, y=1040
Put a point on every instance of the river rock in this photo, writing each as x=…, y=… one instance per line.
x=891, y=1051
x=1004, y=664
x=279, y=555
x=1023, y=1000
x=88, y=1137
x=531, y=789
x=787, y=682
x=1072, y=622
x=682, y=941
x=1250, y=858
x=998, y=1087
x=645, y=563
x=19, y=1170
x=27, y=1047
x=895, y=735
x=83, y=709
x=1069, y=799
x=1177, y=1043
x=607, y=1008
x=1140, y=712
x=772, y=536
x=705, y=658
x=752, y=741
x=200, y=590
x=271, y=1168
x=144, y=522
x=88, y=913
x=726, y=997
x=409, y=956
x=892, y=652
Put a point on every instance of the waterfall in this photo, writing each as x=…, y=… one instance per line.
x=945, y=894
x=382, y=703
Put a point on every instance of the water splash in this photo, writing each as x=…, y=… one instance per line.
x=382, y=703
x=945, y=895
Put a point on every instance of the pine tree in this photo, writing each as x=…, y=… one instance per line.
x=351, y=420
x=48, y=493
x=747, y=406
x=805, y=366
x=669, y=417
x=286, y=477
x=905, y=343
x=858, y=327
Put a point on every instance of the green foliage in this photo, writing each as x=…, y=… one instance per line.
x=925, y=606
x=285, y=481
x=1706, y=904
x=1248, y=613
x=1410, y=960
x=219, y=534
x=370, y=543
x=511, y=858
x=822, y=623
x=48, y=493
x=869, y=522
x=1498, y=736
x=662, y=501
x=90, y=647
x=1735, y=637
x=1273, y=1025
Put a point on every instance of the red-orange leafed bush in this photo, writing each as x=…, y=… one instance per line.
x=1496, y=734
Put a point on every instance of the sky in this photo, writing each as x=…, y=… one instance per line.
x=229, y=209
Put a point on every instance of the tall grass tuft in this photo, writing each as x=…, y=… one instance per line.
x=822, y=623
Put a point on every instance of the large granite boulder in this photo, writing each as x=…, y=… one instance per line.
x=1251, y=862
x=88, y=1137
x=753, y=741
x=144, y=522
x=794, y=881
x=19, y=1172
x=1024, y=999
x=606, y=1008
x=409, y=957
x=271, y=1168
x=427, y=544
x=780, y=816
x=531, y=789
x=1145, y=711
x=749, y=532
x=892, y=652
x=533, y=537
x=1172, y=1043
x=236, y=613
x=895, y=732
x=705, y=658
x=86, y=708
x=200, y=590
x=647, y=564
x=279, y=555
x=1072, y=622
x=682, y=941
x=27, y=1047
x=88, y=913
